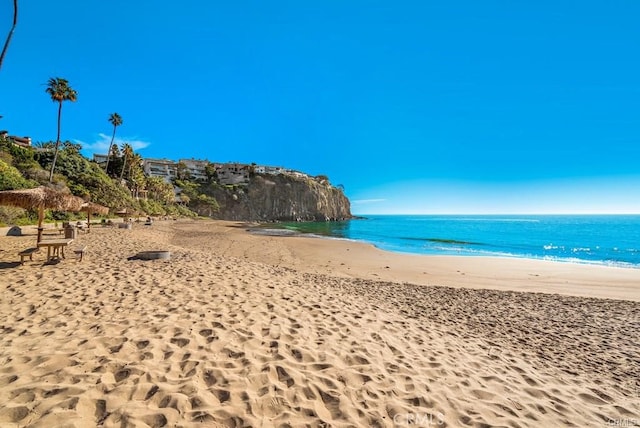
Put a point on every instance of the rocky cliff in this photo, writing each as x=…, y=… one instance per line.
x=281, y=198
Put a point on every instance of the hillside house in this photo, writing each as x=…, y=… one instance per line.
x=18, y=141
x=100, y=159
x=196, y=168
x=163, y=168
x=265, y=169
x=233, y=174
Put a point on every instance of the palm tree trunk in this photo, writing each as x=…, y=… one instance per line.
x=123, y=165
x=13, y=27
x=109, y=152
x=55, y=155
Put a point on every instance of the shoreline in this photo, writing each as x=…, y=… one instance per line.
x=292, y=233
x=275, y=231
x=478, y=272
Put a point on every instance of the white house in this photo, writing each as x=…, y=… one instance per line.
x=265, y=169
x=196, y=168
x=164, y=168
x=99, y=159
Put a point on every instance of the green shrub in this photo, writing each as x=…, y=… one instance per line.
x=10, y=178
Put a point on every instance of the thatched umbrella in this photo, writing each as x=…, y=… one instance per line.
x=93, y=208
x=41, y=198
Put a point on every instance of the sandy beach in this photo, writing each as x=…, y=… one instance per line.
x=239, y=329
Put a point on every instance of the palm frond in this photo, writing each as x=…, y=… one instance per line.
x=59, y=90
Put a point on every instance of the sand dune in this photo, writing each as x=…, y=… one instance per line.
x=240, y=330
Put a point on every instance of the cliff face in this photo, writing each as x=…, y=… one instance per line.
x=281, y=198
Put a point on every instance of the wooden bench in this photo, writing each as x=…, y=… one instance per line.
x=53, y=232
x=27, y=253
x=80, y=252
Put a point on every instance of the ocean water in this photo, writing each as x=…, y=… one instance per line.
x=597, y=239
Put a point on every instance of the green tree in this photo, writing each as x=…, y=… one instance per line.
x=85, y=178
x=160, y=190
x=115, y=164
x=191, y=194
x=116, y=120
x=182, y=171
x=127, y=155
x=13, y=28
x=137, y=179
x=210, y=171
x=60, y=91
x=72, y=147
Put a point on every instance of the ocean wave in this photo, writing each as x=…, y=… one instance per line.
x=458, y=250
x=478, y=219
x=561, y=259
x=503, y=220
x=274, y=232
x=581, y=250
x=553, y=247
x=440, y=240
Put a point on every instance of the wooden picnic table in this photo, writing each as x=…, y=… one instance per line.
x=55, y=247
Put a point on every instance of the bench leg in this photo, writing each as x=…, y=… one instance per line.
x=23, y=256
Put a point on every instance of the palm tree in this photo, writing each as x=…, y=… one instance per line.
x=13, y=28
x=115, y=120
x=137, y=177
x=127, y=153
x=60, y=91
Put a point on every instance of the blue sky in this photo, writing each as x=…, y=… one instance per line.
x=413, y=106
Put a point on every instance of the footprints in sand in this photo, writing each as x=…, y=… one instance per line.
x=180, y=341
x=8, y=380
x=14, y=414
x=151, y=392
x=157, y=420
x=284, y=377
x=206, y=332
x=222, y=395
x=297, y=354
x=593, y=399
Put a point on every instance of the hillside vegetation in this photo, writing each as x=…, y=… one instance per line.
x=26, y=167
